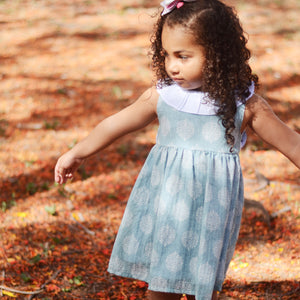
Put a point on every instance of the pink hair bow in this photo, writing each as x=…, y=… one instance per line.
x=170, y=5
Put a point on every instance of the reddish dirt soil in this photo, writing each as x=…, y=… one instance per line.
x=66, y=65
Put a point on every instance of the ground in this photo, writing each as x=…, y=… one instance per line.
x=66, y=65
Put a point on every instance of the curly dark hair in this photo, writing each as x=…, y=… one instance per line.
x=226, y=74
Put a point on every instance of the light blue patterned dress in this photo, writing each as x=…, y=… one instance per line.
x=182, y=219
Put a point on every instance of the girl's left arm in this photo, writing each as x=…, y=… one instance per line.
x=261, y=118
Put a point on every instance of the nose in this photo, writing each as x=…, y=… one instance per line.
x=172, y=67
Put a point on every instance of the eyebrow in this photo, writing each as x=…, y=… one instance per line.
x=178, y=51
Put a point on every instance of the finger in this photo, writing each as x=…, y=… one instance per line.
x=60, y=179
x=56, y=176
x=59, y=175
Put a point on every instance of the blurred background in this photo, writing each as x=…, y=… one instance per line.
x=64, y=66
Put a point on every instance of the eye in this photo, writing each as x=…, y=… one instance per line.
x=183, y=57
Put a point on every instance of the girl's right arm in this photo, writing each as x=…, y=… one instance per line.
x=135, y=116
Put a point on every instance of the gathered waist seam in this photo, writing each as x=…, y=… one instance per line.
x=197, y=149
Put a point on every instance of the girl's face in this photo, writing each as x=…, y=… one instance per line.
x=184, y=59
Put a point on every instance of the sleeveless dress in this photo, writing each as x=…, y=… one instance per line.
x=182, y=219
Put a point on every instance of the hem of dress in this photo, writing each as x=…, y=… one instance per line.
x=154, y=289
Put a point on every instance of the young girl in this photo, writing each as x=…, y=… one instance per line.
x=182, y=219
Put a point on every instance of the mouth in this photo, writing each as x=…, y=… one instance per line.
x=178, y=80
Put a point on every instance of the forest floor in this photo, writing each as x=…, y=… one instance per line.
x=66, y=65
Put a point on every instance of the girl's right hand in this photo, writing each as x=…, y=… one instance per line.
x=65, y=167
x=133, y=117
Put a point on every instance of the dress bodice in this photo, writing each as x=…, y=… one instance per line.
x=195, y=131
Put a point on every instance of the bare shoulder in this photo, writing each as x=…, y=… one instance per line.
x=256, y=103
x=260, y=117
x=150, y=97
x=256, y=107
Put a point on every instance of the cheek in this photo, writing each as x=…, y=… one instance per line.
x=201, y=67
x=167, y=64
x=201, y=64
x=196, y=72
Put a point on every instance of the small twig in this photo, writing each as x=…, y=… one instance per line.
x=281, y=211
x=262, y=180
x=3, y=276
x=83, y=227
x=54, y=275
x=72, y=252
x=32, y=293
x=3, y=287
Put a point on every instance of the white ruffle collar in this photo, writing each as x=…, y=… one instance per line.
x=194, y=102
